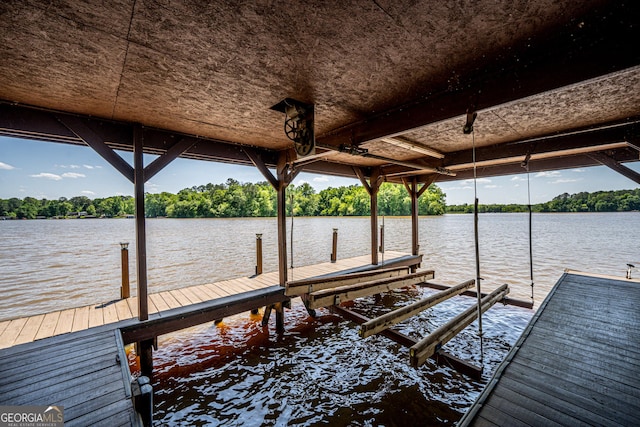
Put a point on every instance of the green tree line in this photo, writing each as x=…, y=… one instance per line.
x=599, y=201
x=233, y=199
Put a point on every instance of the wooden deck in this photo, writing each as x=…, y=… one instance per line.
x=85, y=372
x=577, y=363
x=27, y=329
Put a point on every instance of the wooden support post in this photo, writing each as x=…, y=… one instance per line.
x=415, y=193
x=258, y=254
x=142, y=393
x=387, y=320
x=282, y=234
x=425, y=348
x=279, y=308
x=372, y=187
x=334, y=251
x=125, y=291
x=267, y=315
x=145, y=351
x=141, y=236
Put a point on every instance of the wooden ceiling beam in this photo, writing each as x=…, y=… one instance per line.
x=598, y=44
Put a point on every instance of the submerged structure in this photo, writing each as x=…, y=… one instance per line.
x=404, y=92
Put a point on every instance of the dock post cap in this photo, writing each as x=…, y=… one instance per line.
x=124, y=245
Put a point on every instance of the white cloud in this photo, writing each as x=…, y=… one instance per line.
x=578, y=170
x=87, y=166
x=549, y=174
x=491, y=186
x=322, y=178
x=565, y=181
x=74, y=166
x=518, y=178
x=6, y=167
x=478, y=180
x=88, y=192
x=45, y=175
x=73, y=175
x=466, y=187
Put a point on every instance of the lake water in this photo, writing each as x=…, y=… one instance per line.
x=49, y=265
x=319, y=372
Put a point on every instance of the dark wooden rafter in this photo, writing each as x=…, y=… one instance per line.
x=257, y=161
x=538, y=66
x=613, y=164
x=557, y=151
x=172, y=153
x=93, y=140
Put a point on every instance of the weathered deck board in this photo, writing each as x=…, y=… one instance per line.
x=577, y=363
x=81, y=372
x=27, y=329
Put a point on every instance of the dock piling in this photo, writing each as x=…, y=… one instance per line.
x=334, y=251
x=258, y=254
x=125, y=291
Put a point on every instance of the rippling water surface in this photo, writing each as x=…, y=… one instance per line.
x=319, y=372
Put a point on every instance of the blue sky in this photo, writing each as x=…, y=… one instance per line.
x=49, y=170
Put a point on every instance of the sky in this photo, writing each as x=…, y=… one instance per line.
x=51, y=170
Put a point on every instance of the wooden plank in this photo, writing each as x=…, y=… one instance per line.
x=426, y=347
x=110, y=313
x=334, y=296
x=506, y=413
x=42, y=354
x=220, y=289
x=215, y=290
x=96, y=317
x=590, y=398
x=387, y=320
x=305, y=286
x=526, y=397
x=193, y=297
x=48, y=326
x=3, y=326
x=66, y=363
x=133, y=306
x=11, y=332
x=180, y=297
x=65, y=322
x=170, y=300
x=123, y=310
x=151, y=307
x=159, y=302
x=30, y=329
x=80, y=319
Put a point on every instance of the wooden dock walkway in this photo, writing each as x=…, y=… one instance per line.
x=86, y=373
x=27, y=329
x=577, y=363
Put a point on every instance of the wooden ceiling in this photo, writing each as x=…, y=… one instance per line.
x=557, y=82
